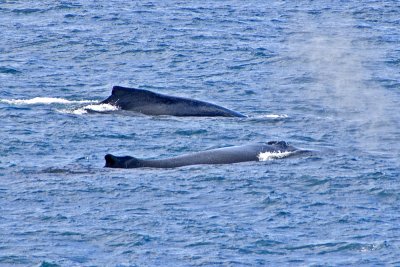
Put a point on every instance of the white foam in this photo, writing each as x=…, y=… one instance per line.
x=44, y=100
x=96, y=108
x=265, y=156
x=273, y=116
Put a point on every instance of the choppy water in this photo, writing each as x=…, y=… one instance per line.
x=320, y=76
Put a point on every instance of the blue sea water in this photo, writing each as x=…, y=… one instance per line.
x=319, y=75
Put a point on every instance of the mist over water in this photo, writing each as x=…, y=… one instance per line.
x=338, y=57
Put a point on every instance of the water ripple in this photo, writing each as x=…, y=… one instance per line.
x=323, y=78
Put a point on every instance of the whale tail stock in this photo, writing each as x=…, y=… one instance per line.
x=121, y=162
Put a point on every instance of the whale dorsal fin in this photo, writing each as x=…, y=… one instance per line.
x=282, y=144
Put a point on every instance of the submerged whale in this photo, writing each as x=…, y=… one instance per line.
x=224, y=155
x=151, y=103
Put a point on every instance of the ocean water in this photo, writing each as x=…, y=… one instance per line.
x=322, y=76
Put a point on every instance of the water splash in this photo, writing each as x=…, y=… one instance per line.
x=265, y=156
x=272, y=116
x=91, y=108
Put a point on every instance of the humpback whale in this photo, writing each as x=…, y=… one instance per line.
x=224, y=155
x=151, y=103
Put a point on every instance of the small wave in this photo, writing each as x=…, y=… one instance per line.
x=44, y=101
x=91, y=108
x=265, y=156
x=6, y=70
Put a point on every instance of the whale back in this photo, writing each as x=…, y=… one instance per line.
x=224, y=155
x=131, y=98
x=151, y=103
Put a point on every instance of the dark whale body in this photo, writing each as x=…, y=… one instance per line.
x=225, y=155
x=151, y=103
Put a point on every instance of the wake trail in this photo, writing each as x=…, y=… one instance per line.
x=44, y=101
x=89, y=105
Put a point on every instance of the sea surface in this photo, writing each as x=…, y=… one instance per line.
x=321, y=75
